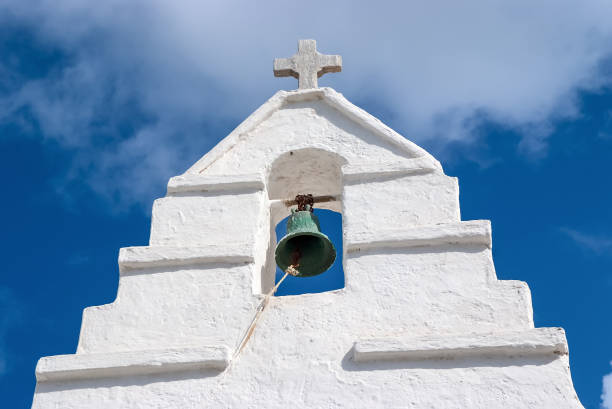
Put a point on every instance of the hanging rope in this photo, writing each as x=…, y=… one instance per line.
x=262, y=306
x=304, y=202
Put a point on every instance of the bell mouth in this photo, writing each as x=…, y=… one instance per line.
x=313, y=251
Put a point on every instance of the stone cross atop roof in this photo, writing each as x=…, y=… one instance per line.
x=307, y=65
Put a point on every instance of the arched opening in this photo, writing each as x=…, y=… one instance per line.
x=333, y=278
x=313, y=171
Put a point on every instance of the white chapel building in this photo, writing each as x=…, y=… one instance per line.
x=422, y=321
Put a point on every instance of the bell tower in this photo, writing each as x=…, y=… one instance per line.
x=422, y=322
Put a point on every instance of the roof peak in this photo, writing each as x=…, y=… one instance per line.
x=329, y=96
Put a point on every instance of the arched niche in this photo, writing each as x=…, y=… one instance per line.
x=307, y=170
x=300, y=171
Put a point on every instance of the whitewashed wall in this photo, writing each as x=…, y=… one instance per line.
x=422, y=322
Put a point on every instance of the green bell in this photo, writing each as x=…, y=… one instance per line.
x=304, y=251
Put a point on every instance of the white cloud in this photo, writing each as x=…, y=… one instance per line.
x=10, y=313
x=606, y=394
x=437, y=68
x=597, y=244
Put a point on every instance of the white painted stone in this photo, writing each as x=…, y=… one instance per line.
x=539, y=341
x=138, y=258
x=307, y=65
x=172, y=307
x=129, y=363
x=472, y=232
x=208, y=219
x=367, y=171
x=205, y=183
x=332, y=123
x=419, y=282
x=383, y=204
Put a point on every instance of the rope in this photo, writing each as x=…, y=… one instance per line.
x=260, y=309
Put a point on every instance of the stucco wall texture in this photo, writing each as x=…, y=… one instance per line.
x=423, y=321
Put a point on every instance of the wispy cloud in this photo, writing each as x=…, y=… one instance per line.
x=597, y=244
x=142, y=83
x=605, y=132
x=606, y=394
x=10, y=313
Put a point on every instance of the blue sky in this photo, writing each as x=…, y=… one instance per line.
x=101, y=103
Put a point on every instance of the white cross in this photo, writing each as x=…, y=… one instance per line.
x=307, y=65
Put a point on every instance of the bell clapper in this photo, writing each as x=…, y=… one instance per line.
x=295, y=263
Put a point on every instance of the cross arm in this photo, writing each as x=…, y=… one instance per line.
x=284, y=67
x=329, y=63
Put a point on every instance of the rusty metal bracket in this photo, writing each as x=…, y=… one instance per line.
x=315, y=199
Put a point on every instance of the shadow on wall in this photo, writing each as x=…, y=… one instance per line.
x=332, y=279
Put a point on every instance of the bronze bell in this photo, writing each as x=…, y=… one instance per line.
x=304, y=251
